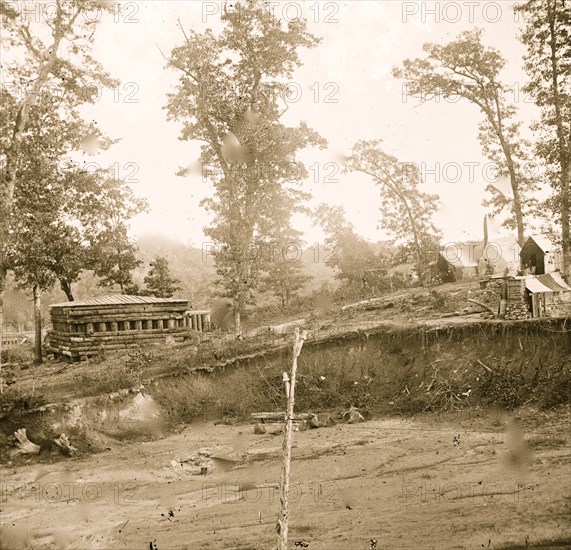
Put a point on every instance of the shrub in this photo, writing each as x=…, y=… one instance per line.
x=505, y=388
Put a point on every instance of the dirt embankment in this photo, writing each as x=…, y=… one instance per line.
x=385, y=370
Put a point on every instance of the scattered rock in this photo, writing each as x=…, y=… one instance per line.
x=259, y=429
x=353, y=416
x=313, y=422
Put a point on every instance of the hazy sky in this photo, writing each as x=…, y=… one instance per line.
x=346, y=93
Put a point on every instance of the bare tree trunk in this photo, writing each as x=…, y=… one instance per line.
x=516, y=201
x=237, y=317
x=565, y=236
x=507, y=150
x=1, y=328
x=66, y=287
x=38, y=325
x=564, y=149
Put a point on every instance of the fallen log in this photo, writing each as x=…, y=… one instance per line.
x=482, y=306
x=452, y=314
x=279, y=416
x=25, y=446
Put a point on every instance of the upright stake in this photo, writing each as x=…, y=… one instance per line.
x=282, y=525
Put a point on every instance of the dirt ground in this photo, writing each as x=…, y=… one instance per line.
x=460, y=481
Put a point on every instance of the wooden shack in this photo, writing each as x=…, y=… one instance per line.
x=85, y=328
x=540, y=256
x=535, y=295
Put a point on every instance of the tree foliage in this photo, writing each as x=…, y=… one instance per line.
x=158, y=281
x=406, y=210
x=283, y=273
x=45, y=58
x=230, y=97
x=112, y=253
x=347, y=252
x=466, y=68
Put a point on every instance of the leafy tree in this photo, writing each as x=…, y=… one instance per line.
x=406, y=210
x=43, y=240
x=348, y=253
x=229, y=97
x=159, y=281
x=547, y=36
x=283, y=273
x=54, y=210
x=45, y=57
x=466, y=68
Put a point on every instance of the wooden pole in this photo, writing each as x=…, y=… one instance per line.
x=38, y=325
x=282, y=524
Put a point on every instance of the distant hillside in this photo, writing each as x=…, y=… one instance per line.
x=194, y=269
x=196, y=274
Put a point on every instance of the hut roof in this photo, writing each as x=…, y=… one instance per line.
x=120, y=299
x=542, y=242
x=554, y=281
x=550, y=282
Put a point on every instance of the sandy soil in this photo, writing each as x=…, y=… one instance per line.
x=404, y=483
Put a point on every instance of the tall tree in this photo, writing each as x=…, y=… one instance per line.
x=159, y=281
x=466, y=68
x=406, y=211
x=547, y=36
x=230, y=98
x=44, y=56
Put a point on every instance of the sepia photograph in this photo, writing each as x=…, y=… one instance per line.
x=285, y=274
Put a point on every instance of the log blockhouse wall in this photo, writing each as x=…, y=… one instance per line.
x=117, y=322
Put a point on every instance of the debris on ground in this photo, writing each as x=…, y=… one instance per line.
x=63, y=443
x=353, y=416
x=259, y=429
x=199, y=463
x=25, y=446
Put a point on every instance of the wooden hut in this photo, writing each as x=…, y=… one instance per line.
x=540, y=256
x=84, y=328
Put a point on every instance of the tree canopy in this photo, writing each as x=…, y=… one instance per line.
x=230, y=97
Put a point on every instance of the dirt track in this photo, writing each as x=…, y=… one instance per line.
x=407, y=484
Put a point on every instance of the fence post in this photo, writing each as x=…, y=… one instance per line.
x=282, y=524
